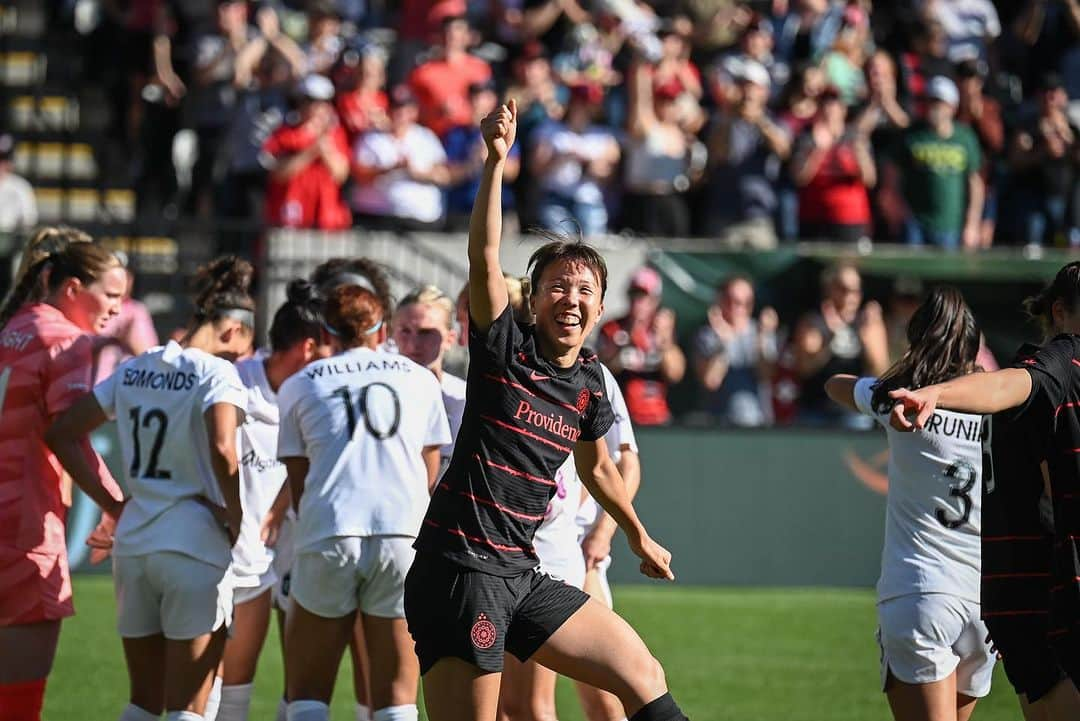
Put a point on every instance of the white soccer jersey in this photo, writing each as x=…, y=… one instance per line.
x=555, y=541
x=933, y=511
x=621, y=433
x=261, y=473
x=453, y=395
x=362, y=419
x=158, y=400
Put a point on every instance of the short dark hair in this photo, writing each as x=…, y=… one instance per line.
x=564, y=249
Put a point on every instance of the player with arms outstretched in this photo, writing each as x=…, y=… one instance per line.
x=533, y=398
x=177, y=408
x=46, y=364
x=935, y=662
x=360, y=437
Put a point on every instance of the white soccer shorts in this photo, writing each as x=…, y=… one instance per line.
x=172, y=594
x=346, y=573
x=925, y=637
x=248, y=589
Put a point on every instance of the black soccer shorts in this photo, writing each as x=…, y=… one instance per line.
x=1031, y=664
x=454, y=611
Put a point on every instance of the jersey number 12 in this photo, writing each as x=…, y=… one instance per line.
x=153, y=417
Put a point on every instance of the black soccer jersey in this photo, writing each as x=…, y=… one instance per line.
x=522, y=418
x=1016, y=535
x=1055, y=403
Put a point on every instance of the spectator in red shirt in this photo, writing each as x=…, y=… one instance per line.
x=442, y=83
x=361, y=103
x=640, y=350
x=833, y=167
x=308, y=161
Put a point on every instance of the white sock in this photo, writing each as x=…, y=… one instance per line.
x=137, y=713
x=307, y=710
x=235, y=702
x=282, y=710
x=213, y=701
x=184, y=716
x=363, y=713
x=407, y=712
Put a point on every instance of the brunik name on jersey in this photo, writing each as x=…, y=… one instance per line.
x=549, y=422
x=347, y=367
x=968, y=430
x=155, y=380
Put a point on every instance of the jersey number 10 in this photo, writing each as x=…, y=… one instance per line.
x=361, y=407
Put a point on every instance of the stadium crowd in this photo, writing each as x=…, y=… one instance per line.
x=747, y=122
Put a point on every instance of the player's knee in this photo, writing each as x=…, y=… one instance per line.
x=650, y=678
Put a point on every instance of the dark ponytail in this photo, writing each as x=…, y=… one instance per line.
x=1065, y=287
x=943, y=343
x=300, y=318
x=222, y=288
x=354, y=271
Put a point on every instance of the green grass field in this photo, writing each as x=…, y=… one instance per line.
x=750, y=655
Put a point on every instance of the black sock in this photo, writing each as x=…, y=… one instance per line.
x=660, y=709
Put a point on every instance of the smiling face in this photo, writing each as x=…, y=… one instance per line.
x=567, y=303
x=422, y=333
x=91, y=306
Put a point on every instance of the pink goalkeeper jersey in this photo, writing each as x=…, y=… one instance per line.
x=46, y=363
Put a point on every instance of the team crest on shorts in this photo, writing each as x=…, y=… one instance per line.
x=582, y=400
x=483, y=632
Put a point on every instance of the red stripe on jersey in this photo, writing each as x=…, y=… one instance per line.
x=1013, y=538
x=523, y=389
x=991, y=614
x=1075, y=362
x=474, y=539
x=997, y=576
x=522, y=431
x=515, y=472
x=1063, y=406
x=1057, y=632
x=504, y=509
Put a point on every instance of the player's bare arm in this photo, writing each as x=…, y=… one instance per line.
x=296, y=469
x=487, y=289
x=841, y=390
x=974, y=393
x=68, y=437
x=596, y=546
x=600, y=475
x=221, y=423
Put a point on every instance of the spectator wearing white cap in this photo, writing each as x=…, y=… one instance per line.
x=746, y=149
x=18, y=208
x=308, y=161
x=939, y=162
x=641, y=351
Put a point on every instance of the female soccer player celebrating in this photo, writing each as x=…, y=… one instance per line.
x=296, y=335
x=533, y=397
x=177, y=410
x=1042, y=395
x=360, y=437
x=46, y=363
x=573, y=544
x=935, y=662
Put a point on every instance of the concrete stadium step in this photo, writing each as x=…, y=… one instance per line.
x=22, y=68
x=51, y=161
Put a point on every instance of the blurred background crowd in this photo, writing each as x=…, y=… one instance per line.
x=750, y=123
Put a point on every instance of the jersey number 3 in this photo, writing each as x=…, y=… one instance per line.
x=965, y=476
x=154, y=417
x=361, y=407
